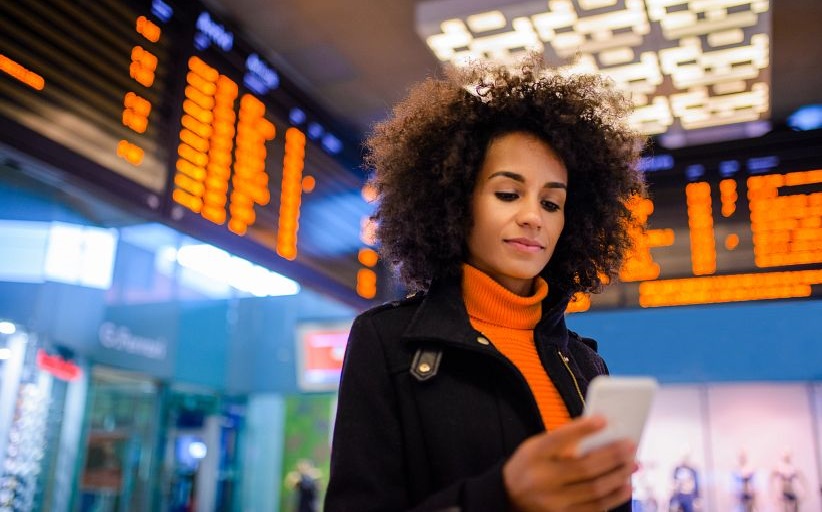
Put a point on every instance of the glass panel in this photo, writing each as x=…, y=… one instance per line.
x=121, y=437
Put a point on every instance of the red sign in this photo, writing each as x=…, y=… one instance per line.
x=57, y=366
x=322, y=351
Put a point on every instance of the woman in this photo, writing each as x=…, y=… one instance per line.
x=497, y=202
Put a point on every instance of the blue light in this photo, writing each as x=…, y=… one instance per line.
x=296, y=116
x=331, y=144
x=215, y=32
x=806, y=117
x=315, y=131
x=762, y=163
x=728, y=167
x=201, y=41
x=695, y=171
x=162, y=10
x=254, y=84
x=656, y=163
x=260, y=74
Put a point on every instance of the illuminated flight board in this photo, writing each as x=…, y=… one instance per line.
x=726, y=223
x=92, y=78
x=196, y=125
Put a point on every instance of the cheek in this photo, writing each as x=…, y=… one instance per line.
x=473, y=238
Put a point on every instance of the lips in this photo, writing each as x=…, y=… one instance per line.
x=525, y=244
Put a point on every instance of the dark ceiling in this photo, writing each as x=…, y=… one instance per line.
x=358, y=57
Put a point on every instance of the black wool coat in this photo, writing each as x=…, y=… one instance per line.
x=429, y=410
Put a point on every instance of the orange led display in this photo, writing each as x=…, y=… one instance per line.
x=291, y=196
x=136, y=108
x=201, y=129
x=250, y=181
x=19, y=72
x=143, y=66
x=732, y=241
x=787, y=228
x=366, y=283
x=206, y=141
x=309, y=182
x=639, y=264
x=223, y=96
x=368, y=257
x=165, y=104
x=199, y=67
x=226, y=152
x=701, y=227
x=728, y=197
x=731, y=288
x=131, y=153
x=135, y=112
x=148, y=29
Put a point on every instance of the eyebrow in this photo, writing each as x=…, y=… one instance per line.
x=518, y=177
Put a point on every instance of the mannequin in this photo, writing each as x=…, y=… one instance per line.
x=744, y=482
x=685, y=496
x=788, y=483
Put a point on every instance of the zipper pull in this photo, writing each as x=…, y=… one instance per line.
x=565, y=361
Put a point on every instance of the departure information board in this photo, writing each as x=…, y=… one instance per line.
x=169, y=107
x=90, y=76
x=729, y=222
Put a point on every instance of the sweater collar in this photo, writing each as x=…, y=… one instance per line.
x=442, y=316
x=490, y=302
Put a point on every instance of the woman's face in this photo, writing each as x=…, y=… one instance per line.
x=518, y=207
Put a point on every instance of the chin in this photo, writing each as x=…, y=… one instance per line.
x=525, y=276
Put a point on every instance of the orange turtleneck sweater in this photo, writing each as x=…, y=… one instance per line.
x=508, y=321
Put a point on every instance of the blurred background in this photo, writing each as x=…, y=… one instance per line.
x=185, y=236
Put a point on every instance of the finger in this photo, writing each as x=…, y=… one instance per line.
x=586, y=502
x=601, y=487
x=562, y=442
x=618, y=496
x=602, y=460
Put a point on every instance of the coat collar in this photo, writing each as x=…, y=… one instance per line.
x=442, y=316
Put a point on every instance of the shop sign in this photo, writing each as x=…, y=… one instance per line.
x=120, y=338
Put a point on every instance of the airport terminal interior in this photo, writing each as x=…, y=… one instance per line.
x=186, y=238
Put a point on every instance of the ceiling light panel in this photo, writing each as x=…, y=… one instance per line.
x=696, y=70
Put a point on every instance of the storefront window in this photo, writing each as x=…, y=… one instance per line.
x=122, y=432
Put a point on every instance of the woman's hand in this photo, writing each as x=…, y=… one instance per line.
x=546, y=474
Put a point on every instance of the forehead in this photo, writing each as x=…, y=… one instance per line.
x=523, y=153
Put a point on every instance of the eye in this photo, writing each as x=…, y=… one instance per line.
x=550, y=206
x=506, y=196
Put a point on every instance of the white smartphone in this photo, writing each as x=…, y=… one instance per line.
x=625, y=402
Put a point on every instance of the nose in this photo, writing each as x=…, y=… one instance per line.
x=530, y=214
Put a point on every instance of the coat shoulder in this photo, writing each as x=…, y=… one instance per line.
x=589, y=342
x=393, y=308
x=383, y=326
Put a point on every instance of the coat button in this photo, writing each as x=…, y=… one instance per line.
x=482, y=340
x=424, y=368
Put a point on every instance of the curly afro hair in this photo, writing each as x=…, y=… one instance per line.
x=426, y=156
